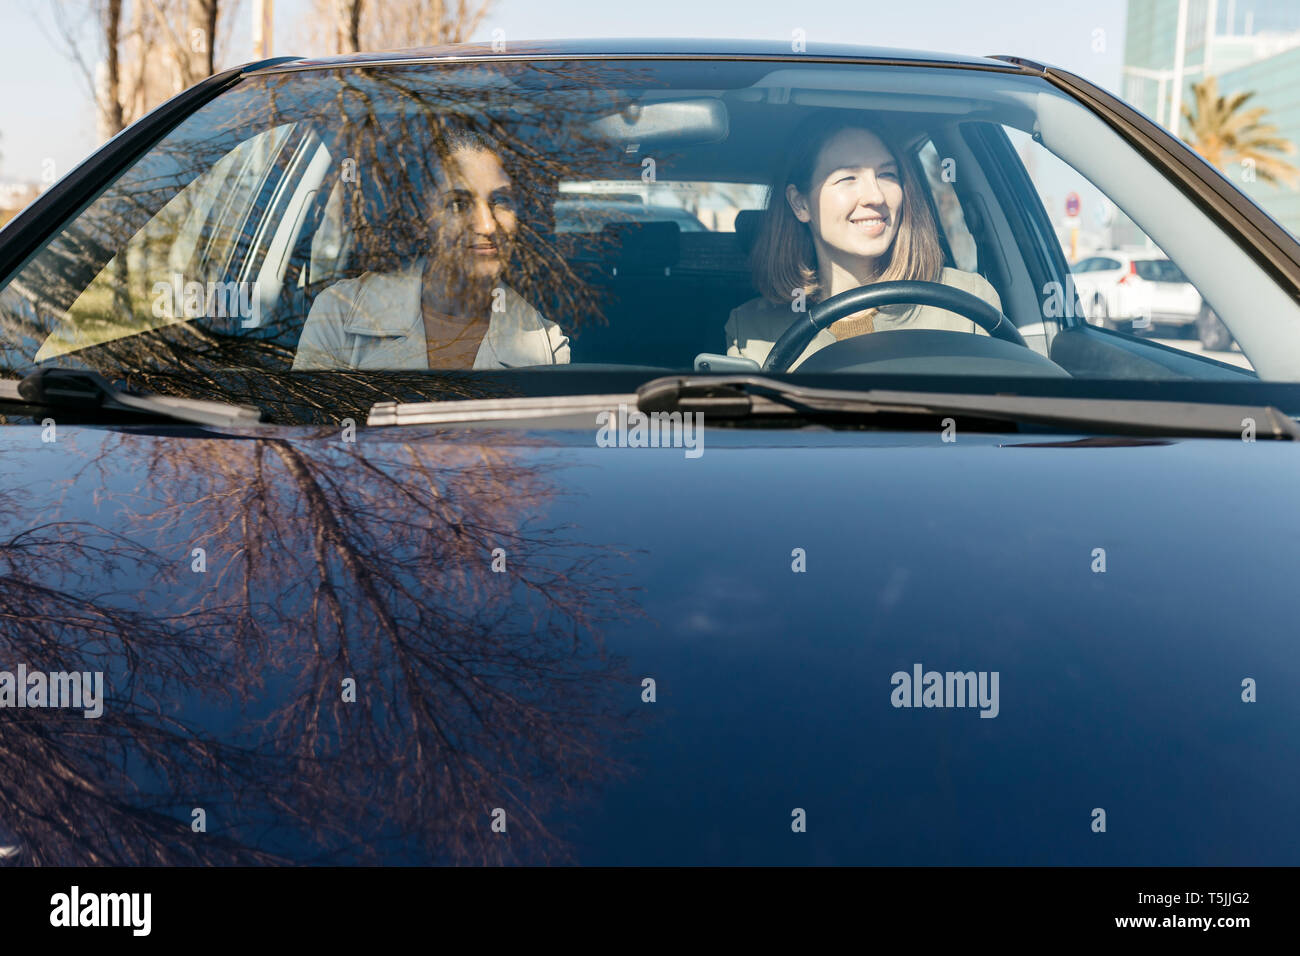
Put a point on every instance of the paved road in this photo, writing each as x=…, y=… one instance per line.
x=1233, y=357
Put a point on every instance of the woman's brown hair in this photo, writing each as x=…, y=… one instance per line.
x=784, y=259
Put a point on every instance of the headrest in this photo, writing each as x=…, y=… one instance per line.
x=641, y=246
x=747, y=224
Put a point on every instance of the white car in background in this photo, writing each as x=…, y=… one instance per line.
x=1146, y=289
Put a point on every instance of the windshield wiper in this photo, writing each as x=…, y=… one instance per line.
x=462, y=410
x=744, y=396
x=89, y=391
x=755, y=396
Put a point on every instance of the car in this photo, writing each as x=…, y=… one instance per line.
x=642, y=586
x=1144, y=288
x=1138, y=285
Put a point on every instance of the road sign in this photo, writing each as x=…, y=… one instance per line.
x=1072, y=205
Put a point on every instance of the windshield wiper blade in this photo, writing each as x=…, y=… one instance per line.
x=464, y=410
x=741, y=396
x=81, y=390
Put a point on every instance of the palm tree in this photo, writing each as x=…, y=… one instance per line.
x=1222, y=133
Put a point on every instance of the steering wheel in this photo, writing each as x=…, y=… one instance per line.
x=802, y=330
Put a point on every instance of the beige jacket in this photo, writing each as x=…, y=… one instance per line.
x=375, y=322
x=755, y=326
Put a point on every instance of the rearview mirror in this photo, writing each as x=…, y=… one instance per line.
x=683, y=122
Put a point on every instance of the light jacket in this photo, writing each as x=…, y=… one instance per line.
x=755, y=326
x=375, y=322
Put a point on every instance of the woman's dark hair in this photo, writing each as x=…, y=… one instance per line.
x=456, y=138
x=784, y=259
x=400, y=171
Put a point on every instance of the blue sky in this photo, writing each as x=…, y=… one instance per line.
x=46, y=111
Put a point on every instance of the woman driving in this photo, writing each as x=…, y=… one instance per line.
x=844, y=212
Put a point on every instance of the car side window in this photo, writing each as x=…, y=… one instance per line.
x=175, y=267
x=1123, y=281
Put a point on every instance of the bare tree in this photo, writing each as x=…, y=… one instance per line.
x=111, y=107
x=121, y=61
x=412, y=23
x=191, y=46
x=203, y=30
x=347, y=19
x=348, y=26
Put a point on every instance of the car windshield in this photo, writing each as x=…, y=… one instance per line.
x=422, y=221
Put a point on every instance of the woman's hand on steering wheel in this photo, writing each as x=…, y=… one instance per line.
x=795, y=339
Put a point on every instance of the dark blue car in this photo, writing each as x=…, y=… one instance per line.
x=355, y=513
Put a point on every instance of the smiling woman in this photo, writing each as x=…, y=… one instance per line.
x=844, y=212
x=452, y=309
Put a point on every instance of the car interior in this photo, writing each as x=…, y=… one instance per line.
x=658, y=296
x=663, y=294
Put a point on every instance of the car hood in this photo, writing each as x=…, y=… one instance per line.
x=495, y=645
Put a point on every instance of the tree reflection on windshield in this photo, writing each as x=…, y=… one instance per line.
x=226, y=687
x=195, y=272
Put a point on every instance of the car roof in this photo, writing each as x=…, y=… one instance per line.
x=642, y=47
